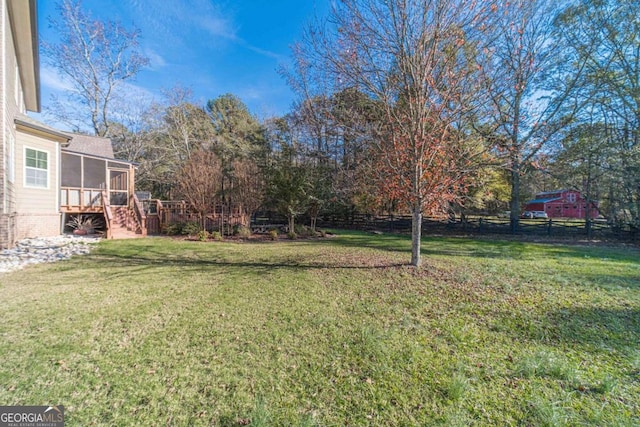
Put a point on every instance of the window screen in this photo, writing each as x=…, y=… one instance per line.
x=94, y=173
x=71, y=170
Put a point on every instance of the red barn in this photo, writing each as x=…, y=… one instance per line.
x=562, y=204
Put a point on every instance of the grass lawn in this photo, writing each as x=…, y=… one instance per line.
x=332, y=332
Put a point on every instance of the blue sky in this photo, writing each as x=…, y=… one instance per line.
x=212, y=47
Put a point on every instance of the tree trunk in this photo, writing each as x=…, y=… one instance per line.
x=292, y=224
x=222, y=219
x=515, y=200
x=416, y=234
x=587, y=213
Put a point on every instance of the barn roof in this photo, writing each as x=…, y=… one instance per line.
x=543, y=200
x=546, y=193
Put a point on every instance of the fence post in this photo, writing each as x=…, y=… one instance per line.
x=549, y=227
x=480, y=225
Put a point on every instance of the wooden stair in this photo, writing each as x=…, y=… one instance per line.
x=122, y=226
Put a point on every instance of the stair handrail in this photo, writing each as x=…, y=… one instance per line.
x=161, y=214
x=139, y=215
x=108, y=216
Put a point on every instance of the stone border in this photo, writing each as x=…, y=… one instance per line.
x=44, y=249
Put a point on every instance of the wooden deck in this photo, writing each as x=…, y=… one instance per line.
x=126, y=221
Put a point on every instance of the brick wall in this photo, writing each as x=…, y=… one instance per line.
x=37, y=225
x=4, y=227
x=7, y=231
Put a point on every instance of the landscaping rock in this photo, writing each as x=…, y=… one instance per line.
x=44, y=249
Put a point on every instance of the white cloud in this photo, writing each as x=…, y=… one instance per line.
x=177, y=20
x=218, y=26
x=50, y=79
x=57, y=85
x=173, y=20
x=264, y=52
x=156, y=61
x=252, y=93
x=133, y=91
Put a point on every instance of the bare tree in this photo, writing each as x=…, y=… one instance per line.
x=131, y=129
x=95, y=57
x=186, y=128
x=247, y=188
x=606, y=36
x=199, y=182
x=527, y=90
x=416, y=58
x=176, y=129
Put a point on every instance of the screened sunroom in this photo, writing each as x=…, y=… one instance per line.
x=86, y=179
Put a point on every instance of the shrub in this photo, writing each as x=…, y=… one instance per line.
x=172, y=229
x=306, y=231
x=302, y=230
x=203, y=235
x=241, y=231
x=216, y=236
x=273, y=234
x=292, y=235
x=190, y=228
x=87, y=224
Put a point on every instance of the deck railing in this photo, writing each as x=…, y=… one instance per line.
x=139, y=215
x=108, y=216
x=81, y=199
x=162, y=214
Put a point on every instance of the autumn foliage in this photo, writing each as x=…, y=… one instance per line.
x=428, y=170
x=416, y=60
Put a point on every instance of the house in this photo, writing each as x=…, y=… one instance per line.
x=37, y=165
x=29, y=151
x=36, y=198
x=93, y=182
x=563, y=204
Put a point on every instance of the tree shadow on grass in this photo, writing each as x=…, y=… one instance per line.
x=385, y=242
x=592, y=328
x=143, y=256
x=153, y=259
x=617, y=328
x=482, y=247
x=612, y=281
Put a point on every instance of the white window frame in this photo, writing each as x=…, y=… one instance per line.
x=48, y=160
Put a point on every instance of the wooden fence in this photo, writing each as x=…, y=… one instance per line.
x=161, y=214
x=552, y=227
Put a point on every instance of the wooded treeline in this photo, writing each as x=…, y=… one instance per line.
x=411, y=106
